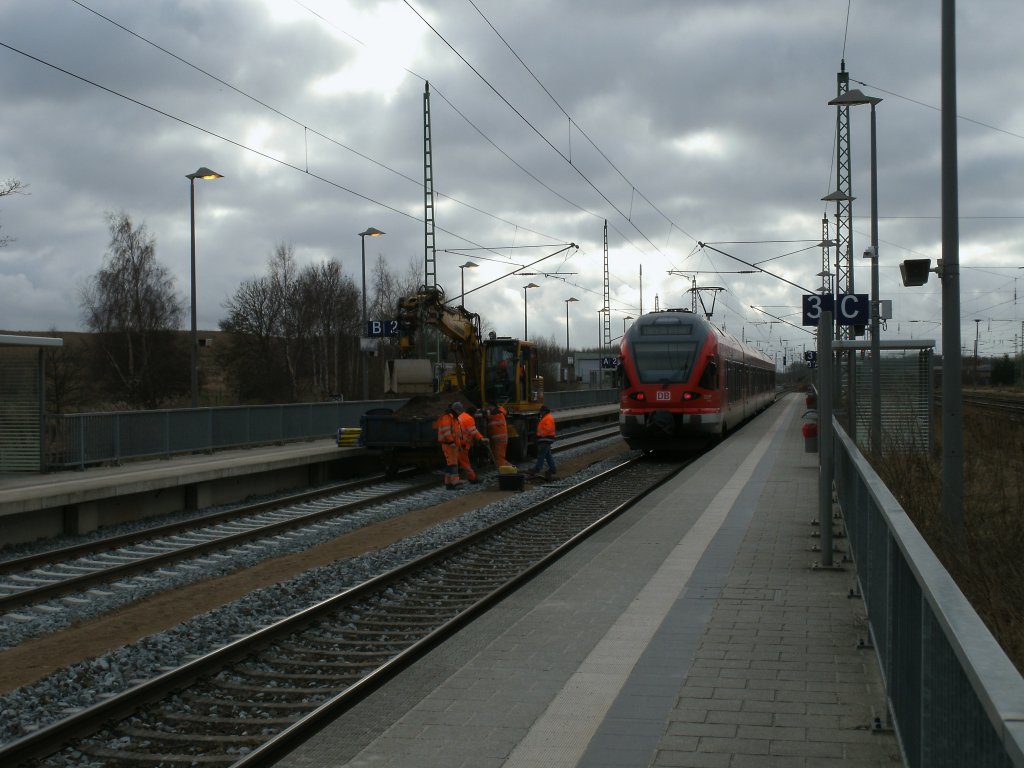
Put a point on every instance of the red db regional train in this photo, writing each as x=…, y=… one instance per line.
x=684, y=383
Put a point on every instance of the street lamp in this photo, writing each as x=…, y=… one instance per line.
x=567, y=302
x=849, y=99
x=826, y=281
x=205, y=174
x=371, y=232
x=462, y=275
x=525, y=289
x=627, y=317
x=569, y=361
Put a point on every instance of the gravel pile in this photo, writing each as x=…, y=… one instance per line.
x=81, y=685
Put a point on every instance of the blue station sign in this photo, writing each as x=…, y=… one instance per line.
x=376, y=329
x=846, y=308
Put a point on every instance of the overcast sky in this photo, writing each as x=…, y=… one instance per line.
x=677, y=121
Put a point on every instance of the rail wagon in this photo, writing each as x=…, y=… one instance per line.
x=685, y=383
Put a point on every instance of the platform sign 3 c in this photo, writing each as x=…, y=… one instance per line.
x=847, y=308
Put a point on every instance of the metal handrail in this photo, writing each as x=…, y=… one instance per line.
x=83, y=439
x=955, y=697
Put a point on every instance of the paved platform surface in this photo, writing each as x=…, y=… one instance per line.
x=692, y=631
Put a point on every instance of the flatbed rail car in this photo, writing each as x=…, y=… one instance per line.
x=412, y=440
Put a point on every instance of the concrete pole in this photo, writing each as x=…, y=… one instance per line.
x=952, y=396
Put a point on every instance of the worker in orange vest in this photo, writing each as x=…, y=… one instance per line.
x=497, y=432
x=449, y=435
x=545, y=437
x=470, y=435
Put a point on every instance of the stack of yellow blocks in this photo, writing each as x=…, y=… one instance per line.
x=348, y=437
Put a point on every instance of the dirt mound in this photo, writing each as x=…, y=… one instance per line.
x=431, y=406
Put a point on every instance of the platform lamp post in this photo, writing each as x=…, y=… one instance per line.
x=525, y=320
x=851, y=98
x=627, y=317
x=569, y=362
x=206, y=174
x=567, y=303
x=370, y=232
x=838, y=197
x=462, y=277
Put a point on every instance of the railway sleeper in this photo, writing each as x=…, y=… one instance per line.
x=123, y=757
x=357, y=650
x=276, y=692
x=335, y=680
x=368, y=663
x=247, y=722
x=200, y=700
x=389, y=625
x=374, y=636
x=178, y=737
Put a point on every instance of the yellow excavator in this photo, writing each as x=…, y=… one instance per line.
x=497, y=370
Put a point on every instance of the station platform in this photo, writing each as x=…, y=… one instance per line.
x=694, y=630
x=35, y=505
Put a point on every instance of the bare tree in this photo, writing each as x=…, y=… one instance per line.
x=251, y=358
x=66, y=379
x=284, y=282
x=11, y=186
x=132, y=309
x=272, y=320
x=295, y=332
x=330, y=300
x=388, y=288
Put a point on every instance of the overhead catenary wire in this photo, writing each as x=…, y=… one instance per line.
x=536, y=130
x=370, y=198
x=438, y=92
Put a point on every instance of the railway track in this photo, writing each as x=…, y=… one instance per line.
x=133, y=560
x=1003, y=405
x=46, y=576
x=254, y=699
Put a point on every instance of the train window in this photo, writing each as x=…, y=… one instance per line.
x=658, y=361
x=667, y=327
x=709, y=378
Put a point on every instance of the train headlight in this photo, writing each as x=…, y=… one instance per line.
x=639, y=396
x=688, y=396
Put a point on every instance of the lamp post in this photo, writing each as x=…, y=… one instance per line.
x=627, y=317
x=205, y=174
x=370, y=232
x=849, y=99
x=462, y=276
x=567, y=302
x=525, y=289
x=569, y=362
x=826, y=281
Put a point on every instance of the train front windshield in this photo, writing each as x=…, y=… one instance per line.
x=664, y=361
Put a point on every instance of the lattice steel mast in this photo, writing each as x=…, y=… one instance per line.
x=429, y=257
x=606, y=320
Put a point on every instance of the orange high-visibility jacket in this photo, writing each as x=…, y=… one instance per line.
x=497, y=427
x=546, y=428
x=449, y=431
x=469, y=430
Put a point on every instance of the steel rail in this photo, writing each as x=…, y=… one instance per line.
x=73, y=584
x=50, y=739
x=28, y=562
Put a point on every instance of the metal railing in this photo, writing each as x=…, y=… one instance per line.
x=955, y=697
x=83, y=439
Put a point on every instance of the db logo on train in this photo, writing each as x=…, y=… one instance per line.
x=662, y=394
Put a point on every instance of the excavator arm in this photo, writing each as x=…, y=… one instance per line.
x=427, y=307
